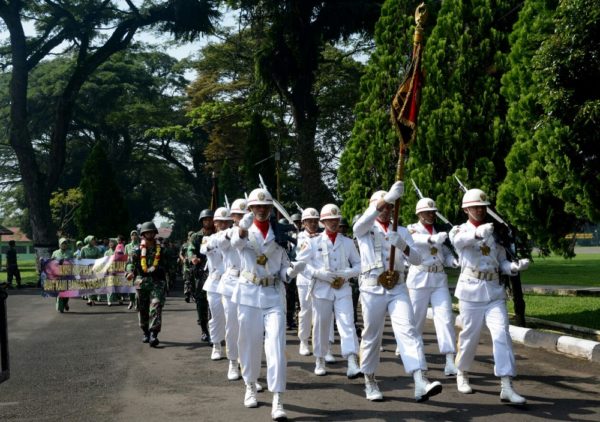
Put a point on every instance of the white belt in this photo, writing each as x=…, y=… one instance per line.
x=372, y=281
x=233, y=272
x=431, y=269
x=264, y=281
x=481, y=275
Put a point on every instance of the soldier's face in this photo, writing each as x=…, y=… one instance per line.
x=149, y=235
x=331, y=225
x=207, y=223
x=134, y=238
x=427, y=217
x=386, y=213
x=477, y=213
x=298, y=224
x=63, y=246
x=311, y=224
x=221, y=225
x=236, y=218
x=262, y=212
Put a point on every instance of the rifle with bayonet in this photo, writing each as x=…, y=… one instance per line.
x=506, y=235
x=281, y=230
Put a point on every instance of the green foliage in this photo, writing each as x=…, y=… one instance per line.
x=64, y=204
x=580, y=311
x=553, y=185
x=369, y=160
x=102, y=211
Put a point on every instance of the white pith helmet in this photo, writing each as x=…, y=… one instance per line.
x=310, y=213
x=260, y=197
x=377, y=196
x=425, y=204
x=474, y=198
x=239, y=206
x=222, y=214
x=331, y=212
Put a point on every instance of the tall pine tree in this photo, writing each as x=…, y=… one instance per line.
x=102, y=211
x=461, y=129
x=369, y=160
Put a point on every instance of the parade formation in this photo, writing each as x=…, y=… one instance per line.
x=237, y=266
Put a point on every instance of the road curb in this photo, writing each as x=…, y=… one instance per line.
x=556, y=343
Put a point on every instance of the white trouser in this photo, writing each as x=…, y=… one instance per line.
x=494, y=314
x=344, y=315
x=441, y=305
x=331, y=329
x=305, y=315
x=254, y=323
x=409, y=342
x=216, y=325
x=232, y=328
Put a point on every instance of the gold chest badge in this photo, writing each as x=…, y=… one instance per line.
x=485, y=250
x=434, y=251
x=262, y=260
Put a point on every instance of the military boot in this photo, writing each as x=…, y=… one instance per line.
x=423, y=388
x=277, y=412
x=507, y=394
x=372, y=389
x=450, y=368
x=146, y=337
x=154, y=339
x=250, y=397
x=353, y=368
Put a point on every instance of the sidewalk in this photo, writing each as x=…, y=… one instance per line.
x=552, y=342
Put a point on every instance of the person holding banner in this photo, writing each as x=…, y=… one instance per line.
x=63, y=252
x=428, y=281
x=90, y=251
x=378, y=295
x=146, y=265
x=482, y=299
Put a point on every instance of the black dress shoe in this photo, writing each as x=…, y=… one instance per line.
x=146, y=338
x=205, y=337
x=187, y=299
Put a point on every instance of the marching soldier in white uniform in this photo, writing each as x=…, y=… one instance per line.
x=210, y=248
x=428, y=282
x=482, y=298
x=375, y=236
x=260, y=296
x=231, y=265
x=332, y=259
x=310, y=221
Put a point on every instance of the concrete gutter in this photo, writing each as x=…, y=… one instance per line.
x=556, y=343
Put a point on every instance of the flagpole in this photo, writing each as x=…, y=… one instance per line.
x=404, y=114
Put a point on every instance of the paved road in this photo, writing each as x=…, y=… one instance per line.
x=89, y=365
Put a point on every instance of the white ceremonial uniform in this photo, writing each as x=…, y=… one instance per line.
x=482, y=299
x=305, y=315
x=216, y=324
x=342, y=258
x=231, y=265
x=428, y=283
x=374, y=248
x=260, y=296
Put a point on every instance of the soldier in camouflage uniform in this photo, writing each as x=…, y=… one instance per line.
x=63, y=252
x=90, y=251
x=188, y=287
x=129, y=249
x=199, y=270
x=146, y=265
x=170, y=254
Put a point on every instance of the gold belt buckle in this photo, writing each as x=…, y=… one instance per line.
x=485, y=250
x=337, y=282
x=261, y=260
x=433, y=251
x=388, y=279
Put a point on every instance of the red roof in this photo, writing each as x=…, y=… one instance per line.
x=17, y=236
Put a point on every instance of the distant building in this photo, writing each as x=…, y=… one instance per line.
x=24, y=244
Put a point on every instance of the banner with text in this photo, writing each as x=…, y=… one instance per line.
x=83, y=277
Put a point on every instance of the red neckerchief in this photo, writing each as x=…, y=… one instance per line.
x=476, y=223
x=263, y=226
x=384, y=225
x=429, y=227
x=331, y=235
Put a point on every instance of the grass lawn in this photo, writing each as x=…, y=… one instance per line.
x=29, y=275
x=583, y=270
x=582, y=311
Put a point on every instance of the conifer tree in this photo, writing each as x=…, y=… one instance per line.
x=368, y=162
x=102, y=211
x=461, y=130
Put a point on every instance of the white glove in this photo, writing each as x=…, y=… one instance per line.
x=438, y=239
x=246, y=221
x=325, y=275
x=455, y=263
x=397, y=240
x=522, y=265
x=453, y=231
x=295, y=269
x=484, y=231
x=395, y=192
